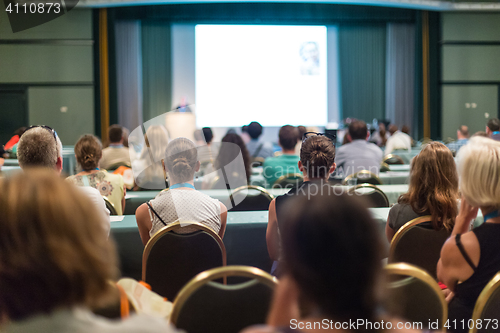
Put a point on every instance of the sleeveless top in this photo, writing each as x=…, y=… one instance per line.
x=467, y=292
x=184, y=206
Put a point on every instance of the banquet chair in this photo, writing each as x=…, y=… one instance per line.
x=249, y=198
x=393, y=159
x=289, y=180
x=376, y=197
x=487, y=307
x=171, y=259
x=110, y=206
x=363, y=176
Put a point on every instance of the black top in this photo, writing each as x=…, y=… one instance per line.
x=467, y=292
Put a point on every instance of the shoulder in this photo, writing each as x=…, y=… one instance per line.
x=271, y=161
x=135, y=323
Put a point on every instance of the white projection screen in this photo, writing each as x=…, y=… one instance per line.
x=268, y=73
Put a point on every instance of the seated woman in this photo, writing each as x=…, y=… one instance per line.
x=469, y=259
x=182, y=202
x=433, y=190
x=238, y=171
x=332, y=265
x=317, y=157
x=88, y=152
x=57, y=261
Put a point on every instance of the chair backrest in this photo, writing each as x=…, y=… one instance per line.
x=234, y=180
x=171, y=259
x=414, y=295
x=249, y=198
x=116, y=306
x=487, y=308
x=257, y=162
x=110, y=206
x=119, y=164
x=418, y=246
x=393, y=159
x=289, y=180
x=384, y=167
x=204, y=306
x=376, y=197
x=364, y=177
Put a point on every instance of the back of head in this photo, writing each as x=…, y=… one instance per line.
x=20, y=131
x=405, y=129
x=358, y=130
x=38, y=147
x=254, y=130
x=115, y=133
x=331, y=249
x=317, y=155
x=433, y=185
x=393, y=129
x=208, y=134
x=464, y=131
x=232, y=145
x=479, y=171
x=494, y=124
x=54, y=251
x=288, y=137
x=302, y=130
x=180, y=159
x=88, y=151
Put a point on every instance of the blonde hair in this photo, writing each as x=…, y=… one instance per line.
x=181, y=158
x=54, y=252
x=479, y=170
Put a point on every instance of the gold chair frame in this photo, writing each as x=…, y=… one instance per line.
x=384, y=166
x=393, y=156
x=362, y=172
x=483, y=299
x=217, y=273
x=110, y=206
x=252, y=187
x=403, y=230
x=289, y=175
x=352, y=190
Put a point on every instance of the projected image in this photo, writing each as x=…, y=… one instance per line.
x=272, y=74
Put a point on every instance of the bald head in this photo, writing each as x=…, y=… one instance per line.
x=38, y=148
x=463, y=132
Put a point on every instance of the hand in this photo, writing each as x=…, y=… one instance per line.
x=450, y=296
x=467, y=212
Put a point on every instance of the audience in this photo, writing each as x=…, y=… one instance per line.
x=397, y=141
x=256, y=147
x=275, y=167
x=88, y=152
x=182, y=202
x=469, y=259
x=358, y=154
x=116, y=154
x=317, y=163
x=380, y=137
x=433, y=190
x=462, y=138
x=206, y=152
x=493, y=129
x=57, y=262
x=40, y=147
x=302, y=130
x=481, y=133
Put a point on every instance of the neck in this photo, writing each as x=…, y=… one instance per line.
x=288, y=152
x=174, y=182
x=486, y=211
x=87, y=172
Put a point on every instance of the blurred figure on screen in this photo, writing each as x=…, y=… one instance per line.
x=309, y=54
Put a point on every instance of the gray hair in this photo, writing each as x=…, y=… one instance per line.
x=37, y=147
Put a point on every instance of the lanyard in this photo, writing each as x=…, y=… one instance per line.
x=491, y=215
x=182, y=185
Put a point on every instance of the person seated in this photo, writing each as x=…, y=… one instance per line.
x=40, y=147
x=493, y=129
x=116, y=152
x=332, y=268
x=57, y=262
x=433, y=190
x=380, y=137
x=317, y=163
x=257, y=147
x=462, y=138
x=14, y=139
x=470, y=259
x=88, y=152
x=275, y=167
x=359, y=154
x=206, y=151
x=182, y=202
x=397, y=141
x=301, y=131
x=237, y=170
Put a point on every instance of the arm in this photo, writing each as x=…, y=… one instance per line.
x=143, y=222
x=285, y=303
x=464, y=218
x=272, y=235
x=223, y=220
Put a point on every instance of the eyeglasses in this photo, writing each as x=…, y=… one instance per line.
x=307, y=135
x=50, y=129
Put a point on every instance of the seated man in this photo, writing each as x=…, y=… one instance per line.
x=493, y=129
x=275, y=167
x=358, y=154
x=40, y=146
x=397, y=141
x=462, y=139
x=116, y=152
x=256, y=147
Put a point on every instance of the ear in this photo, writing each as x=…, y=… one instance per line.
x=349, y=137
x=59, y=164
x=301, y=167
x=197, y=166
x=488, y=131
x=332, y=168
x=367, y=135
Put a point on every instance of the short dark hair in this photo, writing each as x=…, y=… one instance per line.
x=494, y=124
x=254, y=130
x=358, y=130
x=317, y=156
x=208, y=134
x=288, y=137
x=115, y=133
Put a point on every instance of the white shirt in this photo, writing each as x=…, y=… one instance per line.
x=95, y=196
x=398, y=140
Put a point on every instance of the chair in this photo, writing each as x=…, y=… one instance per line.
x=364, y=177
x=117, y=305
x=257, y=162
x=384, y=167
x=418, y=246
x=234, y=180
x=204, y=306
x=110, y=206
x=242, y=199
x=393, y=159
x=171, y=259
x=289, y=180
x=119, y=164
x=414, y=295
x=375, y=196
x=487, y=306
